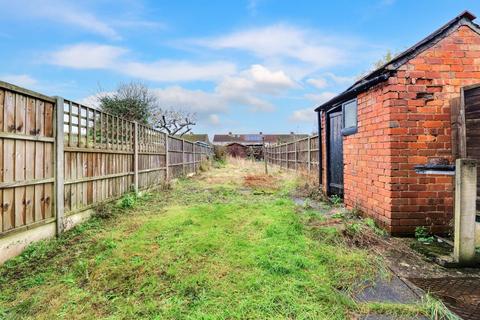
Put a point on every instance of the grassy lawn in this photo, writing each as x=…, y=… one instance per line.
x=215, y=246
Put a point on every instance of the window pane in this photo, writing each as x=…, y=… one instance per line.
x=350, y=114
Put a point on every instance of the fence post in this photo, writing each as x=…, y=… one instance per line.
x=194, y=158
x=59, y=166
x=167, y=160
x=183, y=157
x=135, y=157
x=465, y=211
x=309, y=161
x=296, y=154
x=265, y=155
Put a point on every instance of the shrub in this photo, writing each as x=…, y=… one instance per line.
x=423, y=235
x=204, y=165
x=336, y=200
x=220, y=153
x=128, y=201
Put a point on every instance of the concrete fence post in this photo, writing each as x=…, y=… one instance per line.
x=465, y=210
x=59, y=166
x=135, y=157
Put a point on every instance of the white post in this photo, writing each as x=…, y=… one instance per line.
x=465, y=211
x=59, y=166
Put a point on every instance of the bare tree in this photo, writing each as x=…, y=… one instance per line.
x=174, y=122
x=136, y=102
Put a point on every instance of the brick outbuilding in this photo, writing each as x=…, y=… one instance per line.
x=398, y=117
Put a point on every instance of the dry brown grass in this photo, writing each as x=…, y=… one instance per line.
x=261, y=181
x=238, y=169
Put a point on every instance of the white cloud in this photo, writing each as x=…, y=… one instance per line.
x=340, y=79
x=270, y=80
x=304, y=115
x=214, y=119
x=240, y=90
x=256, y=79
x=87, y=56
x=63, y=12
x=318, y=83
x=329, y=78
x=173, y=71
x=98, y=56
x=320, y=97
x=281, y=41
x=191, y=100
x=22, y=80
x=247, y=89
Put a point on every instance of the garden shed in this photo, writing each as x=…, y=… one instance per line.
x=237, y=150
x=380, y=134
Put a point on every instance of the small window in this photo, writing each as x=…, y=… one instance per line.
x=349, y=110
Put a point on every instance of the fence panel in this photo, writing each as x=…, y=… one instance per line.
x=98, y=158
x=300, y=155
x=175, y=155
x=26, y=160
x=152, y=157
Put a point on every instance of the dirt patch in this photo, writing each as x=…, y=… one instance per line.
x=261, y=181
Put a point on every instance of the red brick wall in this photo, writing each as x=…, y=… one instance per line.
x=368, y=158
x=405, y=122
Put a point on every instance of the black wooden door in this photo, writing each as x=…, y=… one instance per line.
x=335, y=154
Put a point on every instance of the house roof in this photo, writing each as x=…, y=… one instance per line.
x=256, y=138
x=382, y=73
x=193, y=137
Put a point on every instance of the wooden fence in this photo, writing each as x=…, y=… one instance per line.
x=59, y=157
x=300, y=155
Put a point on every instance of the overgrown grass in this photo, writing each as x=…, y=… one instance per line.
x=202, y=250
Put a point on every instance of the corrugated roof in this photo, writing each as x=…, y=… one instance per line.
x=382, y=73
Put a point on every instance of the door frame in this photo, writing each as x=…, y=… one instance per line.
x=328, y=114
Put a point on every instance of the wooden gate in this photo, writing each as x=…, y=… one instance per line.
x=335, y=154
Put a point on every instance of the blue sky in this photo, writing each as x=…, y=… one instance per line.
x=241, y=66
